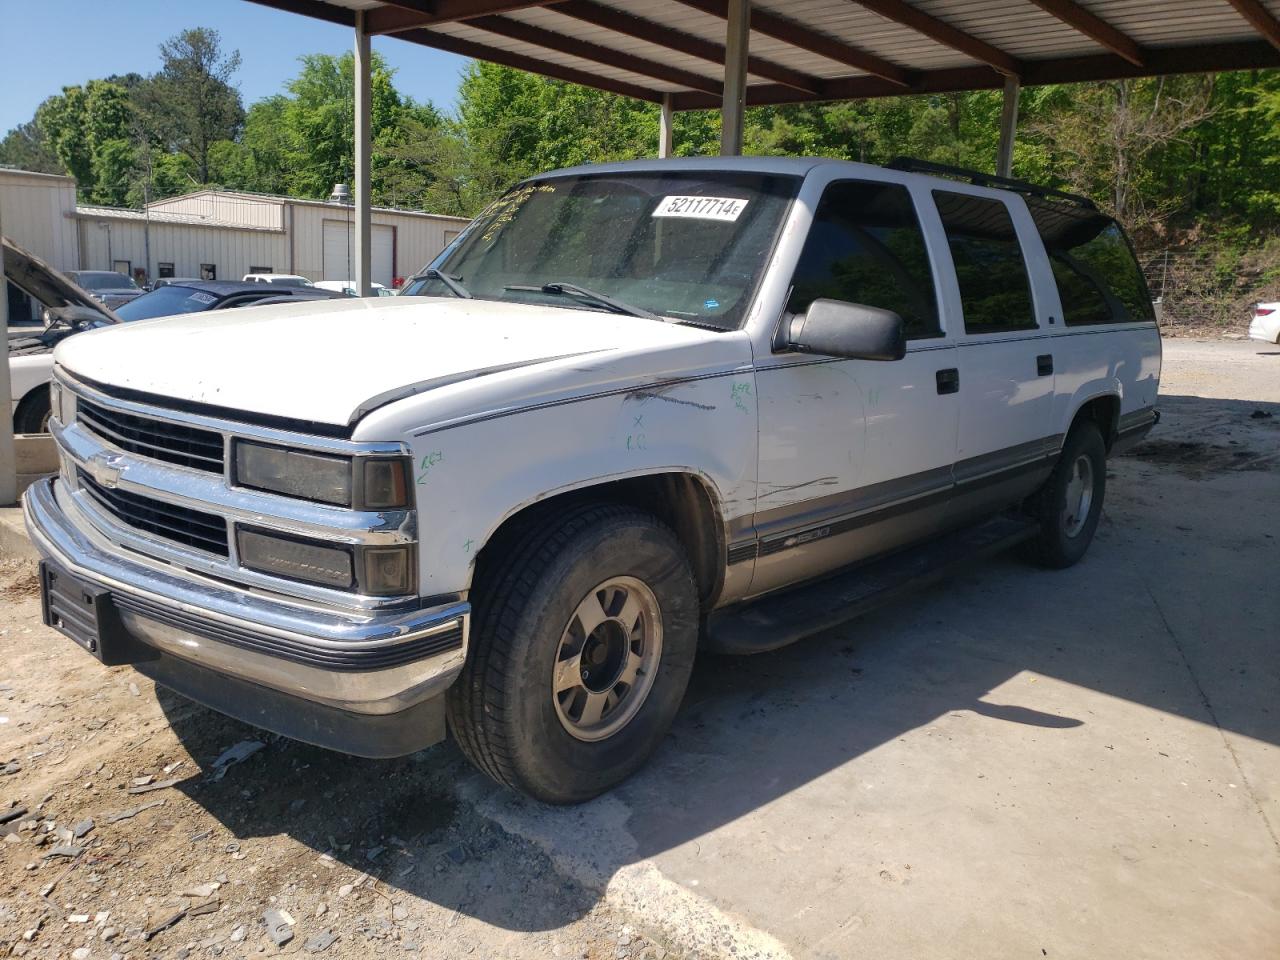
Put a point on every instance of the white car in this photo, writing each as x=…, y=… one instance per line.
x=641, y=409
x=1265, y=325
x=279, y=279
x=349, y=288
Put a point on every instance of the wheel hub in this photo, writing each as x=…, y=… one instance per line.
x=607, y=659
x=1079, y=496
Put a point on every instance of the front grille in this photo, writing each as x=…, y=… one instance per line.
x=170, y=442
x=193, y=528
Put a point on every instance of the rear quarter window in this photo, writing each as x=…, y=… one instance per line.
x=1098, y=277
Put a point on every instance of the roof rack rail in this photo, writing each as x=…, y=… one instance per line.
x=980, y=179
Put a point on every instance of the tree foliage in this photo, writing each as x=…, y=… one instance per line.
x=1163, y=154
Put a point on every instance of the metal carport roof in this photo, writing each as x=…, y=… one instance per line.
x=804, y=50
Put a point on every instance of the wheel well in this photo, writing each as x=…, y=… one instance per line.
x=680, y=500
x=32, y=397
x=1105, y=412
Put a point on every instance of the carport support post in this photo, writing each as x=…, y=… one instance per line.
x=664, y=128
x=363, y=227
x=8, y=456
x=1008, y=127
x=734, y=96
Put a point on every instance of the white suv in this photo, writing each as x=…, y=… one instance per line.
x=644, y=409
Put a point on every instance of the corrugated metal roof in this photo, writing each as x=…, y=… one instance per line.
x=831, y=49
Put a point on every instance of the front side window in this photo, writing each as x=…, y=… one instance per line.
x=690, y=246
x=865, y=246
x=995, y=291
x=1098, y=277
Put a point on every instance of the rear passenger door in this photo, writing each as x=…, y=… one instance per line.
x=855, y=455
x=1005, y=375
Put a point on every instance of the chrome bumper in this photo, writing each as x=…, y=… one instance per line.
x=371, y=664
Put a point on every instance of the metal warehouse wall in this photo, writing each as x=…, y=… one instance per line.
x=238, y=208
x=186, y=246
x=418, y=237
x=37, y=210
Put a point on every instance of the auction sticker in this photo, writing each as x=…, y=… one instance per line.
x=202, y=298
x=701, y=208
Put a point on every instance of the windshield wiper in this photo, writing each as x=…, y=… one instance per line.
x=449, y=280
x=560, y=288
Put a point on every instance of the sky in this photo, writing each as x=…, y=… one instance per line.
x=52, y=44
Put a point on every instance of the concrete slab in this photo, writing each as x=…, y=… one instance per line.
x=1018, y=763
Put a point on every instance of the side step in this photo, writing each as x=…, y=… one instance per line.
x=783, y=618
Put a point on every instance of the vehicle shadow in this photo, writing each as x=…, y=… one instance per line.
x=1166, y=611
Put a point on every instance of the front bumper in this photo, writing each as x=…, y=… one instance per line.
x=367, y=683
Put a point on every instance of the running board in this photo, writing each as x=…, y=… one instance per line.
x=782, y=618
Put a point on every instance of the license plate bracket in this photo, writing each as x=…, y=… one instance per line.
x=87, y=615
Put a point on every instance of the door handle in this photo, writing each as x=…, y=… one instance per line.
x=949, y=380
x=1044, y=364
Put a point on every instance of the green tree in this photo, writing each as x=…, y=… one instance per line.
x=26, y=148
x=190, y=104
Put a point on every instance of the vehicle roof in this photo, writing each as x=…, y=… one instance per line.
x=291, y=276
x=778, y=166
x=98, y=273
x=220, y=288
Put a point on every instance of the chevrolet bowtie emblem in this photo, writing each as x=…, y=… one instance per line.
x=105, y=469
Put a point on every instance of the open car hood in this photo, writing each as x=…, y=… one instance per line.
x=50, y=288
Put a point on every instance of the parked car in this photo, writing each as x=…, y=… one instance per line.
x=106, y=286
x=31, y=366
x=1265, y=325
x=197, y=296
x=278, y=279
x=349, y=288
x=642, y=409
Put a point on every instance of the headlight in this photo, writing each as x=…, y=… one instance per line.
x=376, y=571
x=365, y=483
x=295, y=473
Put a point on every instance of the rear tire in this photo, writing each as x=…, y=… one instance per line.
x=585, y=630
x=1069, y=504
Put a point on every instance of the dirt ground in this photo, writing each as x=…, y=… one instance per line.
x=133, y=840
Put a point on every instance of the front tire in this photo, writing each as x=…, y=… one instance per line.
x=1069, y=504
x=585, y=631
x=34, y=410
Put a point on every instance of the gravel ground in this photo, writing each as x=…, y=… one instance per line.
x=381, y=856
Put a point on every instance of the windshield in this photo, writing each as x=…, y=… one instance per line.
x=686, y=245
x=105, y=281
x=166, y=301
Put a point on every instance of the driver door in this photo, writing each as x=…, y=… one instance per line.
x=856, y=456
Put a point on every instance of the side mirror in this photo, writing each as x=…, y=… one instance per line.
x=854, y=331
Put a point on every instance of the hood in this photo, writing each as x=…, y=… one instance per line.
x=333, y=361
x=48, y=287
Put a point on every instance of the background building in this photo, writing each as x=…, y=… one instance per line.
x=213, y=234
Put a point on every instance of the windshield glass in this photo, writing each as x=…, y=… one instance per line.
x=105, y=281
x=686, y=245
x=165, y=301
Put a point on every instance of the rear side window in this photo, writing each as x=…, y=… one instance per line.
x=865, y=246
x=995, y=292
x=1097, y=274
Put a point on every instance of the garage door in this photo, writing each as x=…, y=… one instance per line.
x=339, y=256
